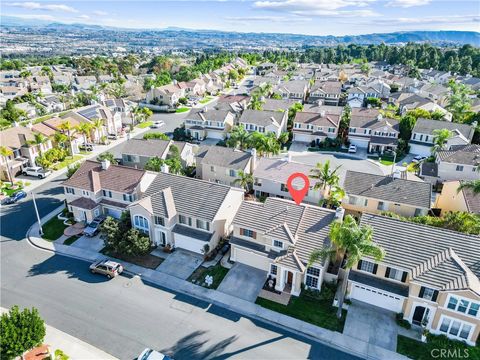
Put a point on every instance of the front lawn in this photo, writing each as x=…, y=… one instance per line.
x=206, y=99
x=71, y=240
x=68, y=161
x=148, y=260
x=145, y=124
x=53, y=229
x=425, y=351
x=312, y=310
x=182, y=109
x=218, y=272
x=386, y=162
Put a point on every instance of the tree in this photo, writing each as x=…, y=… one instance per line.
x=141, y=114
x=84, y=128
x=459, y=103
x=156, y=135
x=117, y=90
x=134, y=243
x=245, y=180
x=440, y=138
x=67, y=127
x=473, y=185
x=180, y=134
x=107, y=156
x=325, y=175
x=292, y=111
x=6, y=153
x=97, y=125
x=60, y=139
x=11, y=114
x=283, y=138
x=154, y=164
x=345, y=122
x=365, y=68
x=335, y=197
x=39, y=140
x=239, y=138
x=407, y=123
x=72, y=169
x=255, y=102
x=350, y=241
x=21, y=331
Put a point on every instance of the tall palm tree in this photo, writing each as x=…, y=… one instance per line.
x=60, y=138
x=325, y=175
x=245, y=180
x=97, y=124
x=39, y=140
x=473, y=185
x=239, y=138
x=350, y=240
x=6, y=153
x=440, y=139
x=255, y=103
x=67, y=128
x=335, y=196
x=85, y=129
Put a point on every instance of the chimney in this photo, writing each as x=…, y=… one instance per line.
x=253, y=151
x=105, y=164
x=23, y=139
x=339, y=213
x=164, y=168
x=322, y=113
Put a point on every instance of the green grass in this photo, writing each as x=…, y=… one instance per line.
x=423, y=351
x=49, y=116
x=386, y=162
x=71, y=240
x=182, y=109
x=144, y=124
x=314, y=311
x=218, y=272
x=53, y=229
x=68, y=161
x=205, y=99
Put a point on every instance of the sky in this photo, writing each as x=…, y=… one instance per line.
x=312, y=17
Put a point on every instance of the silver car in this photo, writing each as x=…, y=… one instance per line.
x=106, y=267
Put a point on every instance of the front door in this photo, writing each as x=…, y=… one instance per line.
x=289, y=278
x=418, y=315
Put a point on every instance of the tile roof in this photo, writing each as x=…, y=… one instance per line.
x=84, y=203
x=414, y=193
x=317, y=119
x=225, y=157
x=364, y=118
x=10, y=137
x=328, y=109
x=472, y=200
x=204, y=114
x=261, y=117
x=279, y=170
x=327, y=87
x=147, y=148
x=434, y=256
x=427, y=126
x=277, y=104
x=462, y=154
x=90, y=176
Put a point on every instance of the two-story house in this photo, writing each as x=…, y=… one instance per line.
x=208, y=123
x=165, y=95
x=460, y=162
x=368, y=129
x=359, y=94
x=329, y=92
x=186, y=213
x=294, y=89
x=222, y=165
x=428, y=274
x=278, y=237
x=376, y=193
x=422, y=139
x=102, y=188
x=264, y=121
x=271, y=175
x=315, y=127
x=454, y=198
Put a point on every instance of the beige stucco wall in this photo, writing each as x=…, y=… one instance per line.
x=450, y=199
x=220, y=174
x=401, y=209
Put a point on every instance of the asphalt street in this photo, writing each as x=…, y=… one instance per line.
x=125, y=315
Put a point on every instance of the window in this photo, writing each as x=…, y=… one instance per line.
x=313, y=271
x=418, y=212
x=352, y=200
x=140, y=223
x=258, y=182
x=367, y=266
x=284, y=188
x=445, y=325
x=273, y=269
x=212, y=168
x=312, y=277
x=182, y=219
x=85, y=193
x=395, y=274
x=459, y=168
x=107, y=193
x=381, y=205
x=204, y=225
x=129, y=197
x=452, y=303
x=474, y=309
x=70, y=190
x=159, y=220
x=278, y=244
x=248, y=233
x=463, y=305
x=465, y=331
x=428, y=293
x=232, y=173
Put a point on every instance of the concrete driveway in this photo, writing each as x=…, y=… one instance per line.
x=243, y=281
x=181, y=263
x=372, y=324
x=94, y=243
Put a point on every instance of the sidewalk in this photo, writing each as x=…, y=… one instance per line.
x=73, y=347
x=34, y=183
x=337, y=340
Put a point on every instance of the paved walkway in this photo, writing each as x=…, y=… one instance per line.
x=340, y=341
x=73, y=347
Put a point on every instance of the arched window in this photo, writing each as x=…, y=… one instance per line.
x=141, y=223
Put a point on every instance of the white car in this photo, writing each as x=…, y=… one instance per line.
x=36, y=171
x=157, y=125
x=149, y=354
x=417, y=159
x=352, y=149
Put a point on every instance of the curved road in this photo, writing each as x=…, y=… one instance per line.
x=125, y=315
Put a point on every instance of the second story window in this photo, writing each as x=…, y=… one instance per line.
x=69, y=190
x=396, y=274
x=248, y=233
x=278, y=244
x=284, y=188
x=141, y=223
x=232, y=173
x=459, y=168
x=107, y=193
x=159, y=220
x=182, y=219
x=204, y=225
x=212, y=168
x=367, y=266
x=463, y=305
x=129, y=197
x=427, y=293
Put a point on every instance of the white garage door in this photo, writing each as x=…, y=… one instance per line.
x=215, y=135
x=250, y=258
x=115, y=213
x=302, y=138
x=420, y=150
x=361, y=143
x=377, y=297
x=188, y=243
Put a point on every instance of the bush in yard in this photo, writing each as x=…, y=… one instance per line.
x=183, y=100
x=402, y=322
x=21, y=331
x=156, y=135
x=72, y=169
x=134, y=243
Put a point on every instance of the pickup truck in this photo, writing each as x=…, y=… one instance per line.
x=36, y=171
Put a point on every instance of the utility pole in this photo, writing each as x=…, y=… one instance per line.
x=38, y=216
x=394, y=160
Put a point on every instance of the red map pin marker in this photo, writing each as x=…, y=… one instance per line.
x=298, y=194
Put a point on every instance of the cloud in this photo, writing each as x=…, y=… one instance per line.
x=47, y=7
x=408, y=3
x=34, y=17
x=309, y=5
x=276, y=19
x=100, y=13
x=84, y=17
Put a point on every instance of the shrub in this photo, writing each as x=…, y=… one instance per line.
x=402, y=322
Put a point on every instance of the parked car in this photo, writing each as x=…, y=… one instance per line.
x=417, y=159
x=149, y=354
x=112, y=136
x=106, y=267
x=17, y=195
x=93, y=228
x=157, y=124
x=86, y=147
x=225, y=249
x=36, y=171
x=352, y=149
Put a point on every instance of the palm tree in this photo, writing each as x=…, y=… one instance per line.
x=239, y=138
x=60, y=138
x=325, y=175
x=349, y=240
x=67, y=127
x=283, y=138
x=154, y=164
x=473, y=185
x=39, y=140
x=440, y=139
x=255, y=103
x=85, y=129
x=245, y=180
x=6, y=153
x=335, y=196
x=97, y=124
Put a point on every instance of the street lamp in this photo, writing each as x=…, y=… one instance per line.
x=38, y=216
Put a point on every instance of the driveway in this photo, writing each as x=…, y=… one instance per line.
x=181, y=263
x=299, y=146
x=94, y=243
x=243, y=281
x=372, y=324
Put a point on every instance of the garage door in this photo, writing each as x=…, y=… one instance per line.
x=250, y=258
x=115, y=213
x=420, y=150
x=302, y=138
x=377, y=297
x=361, y=143
x=215, y=135
x=188, y=243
